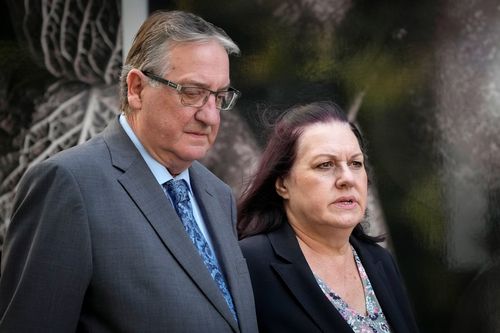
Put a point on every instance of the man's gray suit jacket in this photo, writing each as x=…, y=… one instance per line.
x=94, y=245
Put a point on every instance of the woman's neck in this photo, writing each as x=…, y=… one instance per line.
x=330, y=243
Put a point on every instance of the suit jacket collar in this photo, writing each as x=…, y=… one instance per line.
x=297, y=275
x=140, y=184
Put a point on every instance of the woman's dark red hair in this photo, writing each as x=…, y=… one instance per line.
x=260, y=208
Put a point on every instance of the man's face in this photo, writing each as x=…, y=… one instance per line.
x=174, y=134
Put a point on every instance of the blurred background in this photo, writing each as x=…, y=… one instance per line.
x=421, y=79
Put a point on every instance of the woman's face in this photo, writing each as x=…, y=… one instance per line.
x=327, y=185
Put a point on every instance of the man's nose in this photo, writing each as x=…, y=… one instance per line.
x=208, y=113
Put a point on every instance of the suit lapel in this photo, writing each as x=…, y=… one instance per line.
x=142, y=187
x=296, y=274
x=223, y=237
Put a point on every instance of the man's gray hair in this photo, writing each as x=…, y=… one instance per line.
x=156, y=37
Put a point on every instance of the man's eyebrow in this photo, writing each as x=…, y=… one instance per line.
x=198, y=84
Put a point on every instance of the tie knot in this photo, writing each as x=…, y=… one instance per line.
x=177, y=190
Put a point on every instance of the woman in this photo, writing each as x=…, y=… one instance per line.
x=313, y=268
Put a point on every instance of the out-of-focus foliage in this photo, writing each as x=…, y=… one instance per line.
x=65, y=77
x=75, y=40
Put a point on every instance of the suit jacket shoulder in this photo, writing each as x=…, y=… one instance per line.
x=95, y=239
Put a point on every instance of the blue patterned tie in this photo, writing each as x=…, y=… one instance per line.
x=178, y=192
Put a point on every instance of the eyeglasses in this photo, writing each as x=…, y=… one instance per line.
x=197, y=96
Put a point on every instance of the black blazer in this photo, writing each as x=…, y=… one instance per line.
x=288, y=299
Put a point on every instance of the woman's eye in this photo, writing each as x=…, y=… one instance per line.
x=326, y=165
x=357, y=164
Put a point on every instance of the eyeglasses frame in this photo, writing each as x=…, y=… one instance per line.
x=178, y=87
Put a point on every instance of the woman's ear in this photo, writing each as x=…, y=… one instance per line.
x=280, y=186
x=135, y=85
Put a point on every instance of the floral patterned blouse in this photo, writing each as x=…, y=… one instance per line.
x=374, y=321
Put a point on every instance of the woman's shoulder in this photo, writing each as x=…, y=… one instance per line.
x=254, y=243
x=266, y=241
x=258, y=249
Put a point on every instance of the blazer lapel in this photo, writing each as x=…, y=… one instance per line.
x=382, y=286
x=298, y=277
x=223, y=239
x=151, y=200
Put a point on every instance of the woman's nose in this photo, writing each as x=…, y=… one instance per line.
x=345, y=176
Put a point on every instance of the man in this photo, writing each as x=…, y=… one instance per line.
x=128, y=232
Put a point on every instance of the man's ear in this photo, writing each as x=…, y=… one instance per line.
x=135, y=84
x=281, y=188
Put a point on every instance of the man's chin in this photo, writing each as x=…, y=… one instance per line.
x=195, y=153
